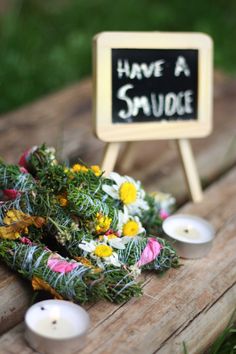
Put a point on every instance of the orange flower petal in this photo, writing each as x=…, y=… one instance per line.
x=39, y=284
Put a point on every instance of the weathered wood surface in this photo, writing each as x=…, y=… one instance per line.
x=63, y=120
x=15, y=298
x=191, y=304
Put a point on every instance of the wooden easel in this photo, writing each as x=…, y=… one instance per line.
x=186, y=156
x=115, y=74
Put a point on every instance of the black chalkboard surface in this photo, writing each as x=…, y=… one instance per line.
x=151, y=85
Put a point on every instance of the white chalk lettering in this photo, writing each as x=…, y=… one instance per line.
x=135, y=71
x=188, y=101
x=147, y=70
x=141, y=103
x=181, y=66
x=180, y=107
x=169, y=105
x=123, y=69
x=121, y=94
x=157, y=108
x=139, y=71
x=158, y=68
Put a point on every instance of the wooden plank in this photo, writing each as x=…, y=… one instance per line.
x=191, y=304
x=15, y=297
x=61, y=120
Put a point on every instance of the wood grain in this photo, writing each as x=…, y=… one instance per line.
x=63, y=120
x=191, y=304
x=15, y=297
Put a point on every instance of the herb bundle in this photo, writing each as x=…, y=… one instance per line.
x=77, y=234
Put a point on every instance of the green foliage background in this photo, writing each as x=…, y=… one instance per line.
x=46, y=44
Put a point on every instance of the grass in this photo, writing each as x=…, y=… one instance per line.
x=46, y=45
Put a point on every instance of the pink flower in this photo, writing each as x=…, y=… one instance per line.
x=47, y=249
x=24, y=158
x=111, y=232
x=163, y=214
x=23, y=170
x=60, y=265
x=150, y=252
x=26, y=240
x=11, y=193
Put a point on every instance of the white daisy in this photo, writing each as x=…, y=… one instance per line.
x=164, y=201
x=129, y=226
x=101, y=252
x=114, y=241
x=127, y=190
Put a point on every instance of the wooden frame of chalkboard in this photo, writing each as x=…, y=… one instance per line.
x=152, y=85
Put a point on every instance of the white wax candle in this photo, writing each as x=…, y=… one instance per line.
x=55, y=329
x=190, y=235
x=186, y=233
x=188, y=228
x=54, y=325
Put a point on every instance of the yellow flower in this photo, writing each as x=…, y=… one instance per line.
x=96, y=170
x=39, y=284
x=84, y=169
x=13, y=216
x=128, y=193
x=9, y=233
x=76, y=167
x=17, y=222
x=62, y=200
x=109, y=237
x=103, y=223
x=96, y=270
x=85, y=261
x=131, y=228
x=103, y=251
x=79, y=168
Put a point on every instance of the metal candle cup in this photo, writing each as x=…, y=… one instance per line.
x=56, y=326
x=191, y=236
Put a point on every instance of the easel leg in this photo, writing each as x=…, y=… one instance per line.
x=110, y=157
x=128, y=156
x=190, y=170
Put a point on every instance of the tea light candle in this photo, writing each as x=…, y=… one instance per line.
x=56, y=326
x=190, y=235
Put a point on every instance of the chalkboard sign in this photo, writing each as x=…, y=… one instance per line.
x=152, y=85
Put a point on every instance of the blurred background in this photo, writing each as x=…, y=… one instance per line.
x=45, y=45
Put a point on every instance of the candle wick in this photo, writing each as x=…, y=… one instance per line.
x=186, y=230
x=42, y=308
x=54, y=322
